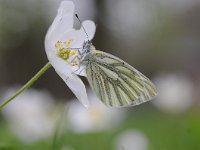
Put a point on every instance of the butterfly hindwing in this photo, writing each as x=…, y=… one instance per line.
x=115, y=82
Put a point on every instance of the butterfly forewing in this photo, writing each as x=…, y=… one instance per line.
x=115, y=82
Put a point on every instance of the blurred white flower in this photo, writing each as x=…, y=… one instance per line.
x=61, y=44
x=30, y=114
x=97, y=118
x=175, y=93
x=131, y=140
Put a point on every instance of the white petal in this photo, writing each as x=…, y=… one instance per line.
x=75, y=36
x=90, y=28
x=62, y=22
x=62, y=30
x=64, y=70
x=60, y=65
x=77, y=87
x=79, y=36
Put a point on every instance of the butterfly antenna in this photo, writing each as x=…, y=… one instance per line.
x=82, y=26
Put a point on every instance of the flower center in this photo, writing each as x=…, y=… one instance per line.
x=64, y=50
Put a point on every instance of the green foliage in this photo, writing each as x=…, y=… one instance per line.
x=164, y=132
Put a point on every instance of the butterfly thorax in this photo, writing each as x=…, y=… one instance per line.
x=87, y=49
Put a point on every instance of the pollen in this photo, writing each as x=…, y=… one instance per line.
x=64, y=51
x=68, y=43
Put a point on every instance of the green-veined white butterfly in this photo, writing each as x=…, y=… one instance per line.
x=114, y=81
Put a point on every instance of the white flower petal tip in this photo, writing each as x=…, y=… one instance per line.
x=77, y=87
x=86, y=106
x=90, y=28
x=66, y=7
x=61, y=44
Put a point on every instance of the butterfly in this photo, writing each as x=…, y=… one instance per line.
x=115, y=82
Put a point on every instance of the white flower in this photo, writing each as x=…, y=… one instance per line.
x=61, y=44
x=175, y=93
x=30, y=115
x=131, y=140
x=97, y=118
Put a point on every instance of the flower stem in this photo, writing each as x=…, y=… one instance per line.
x=28, y=84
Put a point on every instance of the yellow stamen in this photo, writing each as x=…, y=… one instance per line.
x=64, y=53
x=68, y=43
x=64, y=50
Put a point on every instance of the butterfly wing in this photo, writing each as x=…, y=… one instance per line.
x=115, y=82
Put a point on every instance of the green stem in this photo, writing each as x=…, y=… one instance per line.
x=28, y=84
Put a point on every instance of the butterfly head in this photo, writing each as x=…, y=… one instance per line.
x=87, y=47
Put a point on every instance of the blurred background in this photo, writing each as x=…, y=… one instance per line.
x=158, y=37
